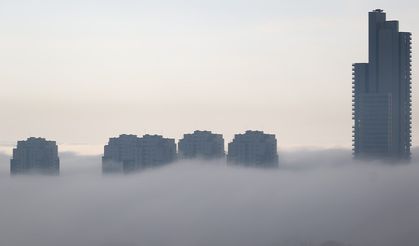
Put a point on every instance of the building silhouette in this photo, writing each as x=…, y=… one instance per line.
x=253, y=148
x=156, y=150
x=128, y=153
x=382, y=93
x=35, y=155
x=201, y=144
x=121, y=154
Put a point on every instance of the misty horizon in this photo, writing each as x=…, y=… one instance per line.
x=315, y=196
x=209, y=123
x=172, y=68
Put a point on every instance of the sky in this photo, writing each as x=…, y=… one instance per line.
x=79, y=72
x=314, y=197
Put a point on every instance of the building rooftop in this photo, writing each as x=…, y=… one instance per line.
x=378, y=11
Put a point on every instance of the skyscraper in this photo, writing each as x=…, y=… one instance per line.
x=253, y=148
x=156, y=150
x=121, y=154
x=201, y=144
x=35, y=155
x=128, y=153
x=381, y=93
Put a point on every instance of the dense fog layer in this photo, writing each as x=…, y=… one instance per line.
x=314, y=197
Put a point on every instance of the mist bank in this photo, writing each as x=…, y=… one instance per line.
x=315, y=196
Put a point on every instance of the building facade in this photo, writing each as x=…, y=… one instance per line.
x=156, y=150
x=128, y=153
x=201, y=144
x=382, y=93
x=121, y=154
x=35, y=155
x=253, y=148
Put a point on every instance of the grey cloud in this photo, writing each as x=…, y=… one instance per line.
x=316, y=196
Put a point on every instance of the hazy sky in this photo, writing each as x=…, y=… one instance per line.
x=81, y=71
x=315, y=196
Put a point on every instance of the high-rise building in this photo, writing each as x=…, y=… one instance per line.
x=35, y=155
x=382, y=93
x=121, y=154
x=156, y=150
x=201, y=144
x=253, y=148
x=128, y=153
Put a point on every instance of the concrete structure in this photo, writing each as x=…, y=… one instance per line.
x=156, y=150
x=201, y=144
x=254, y=148
x=128, y=153
x=382, y=93
x=35, y=155
x=121, y=154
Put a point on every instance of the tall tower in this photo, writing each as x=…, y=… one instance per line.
x=35, y=155
x=129, y=153
x=201, y=144
x=381, y=93
x=253, y=148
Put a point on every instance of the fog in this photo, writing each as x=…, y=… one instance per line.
x=314, y=197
